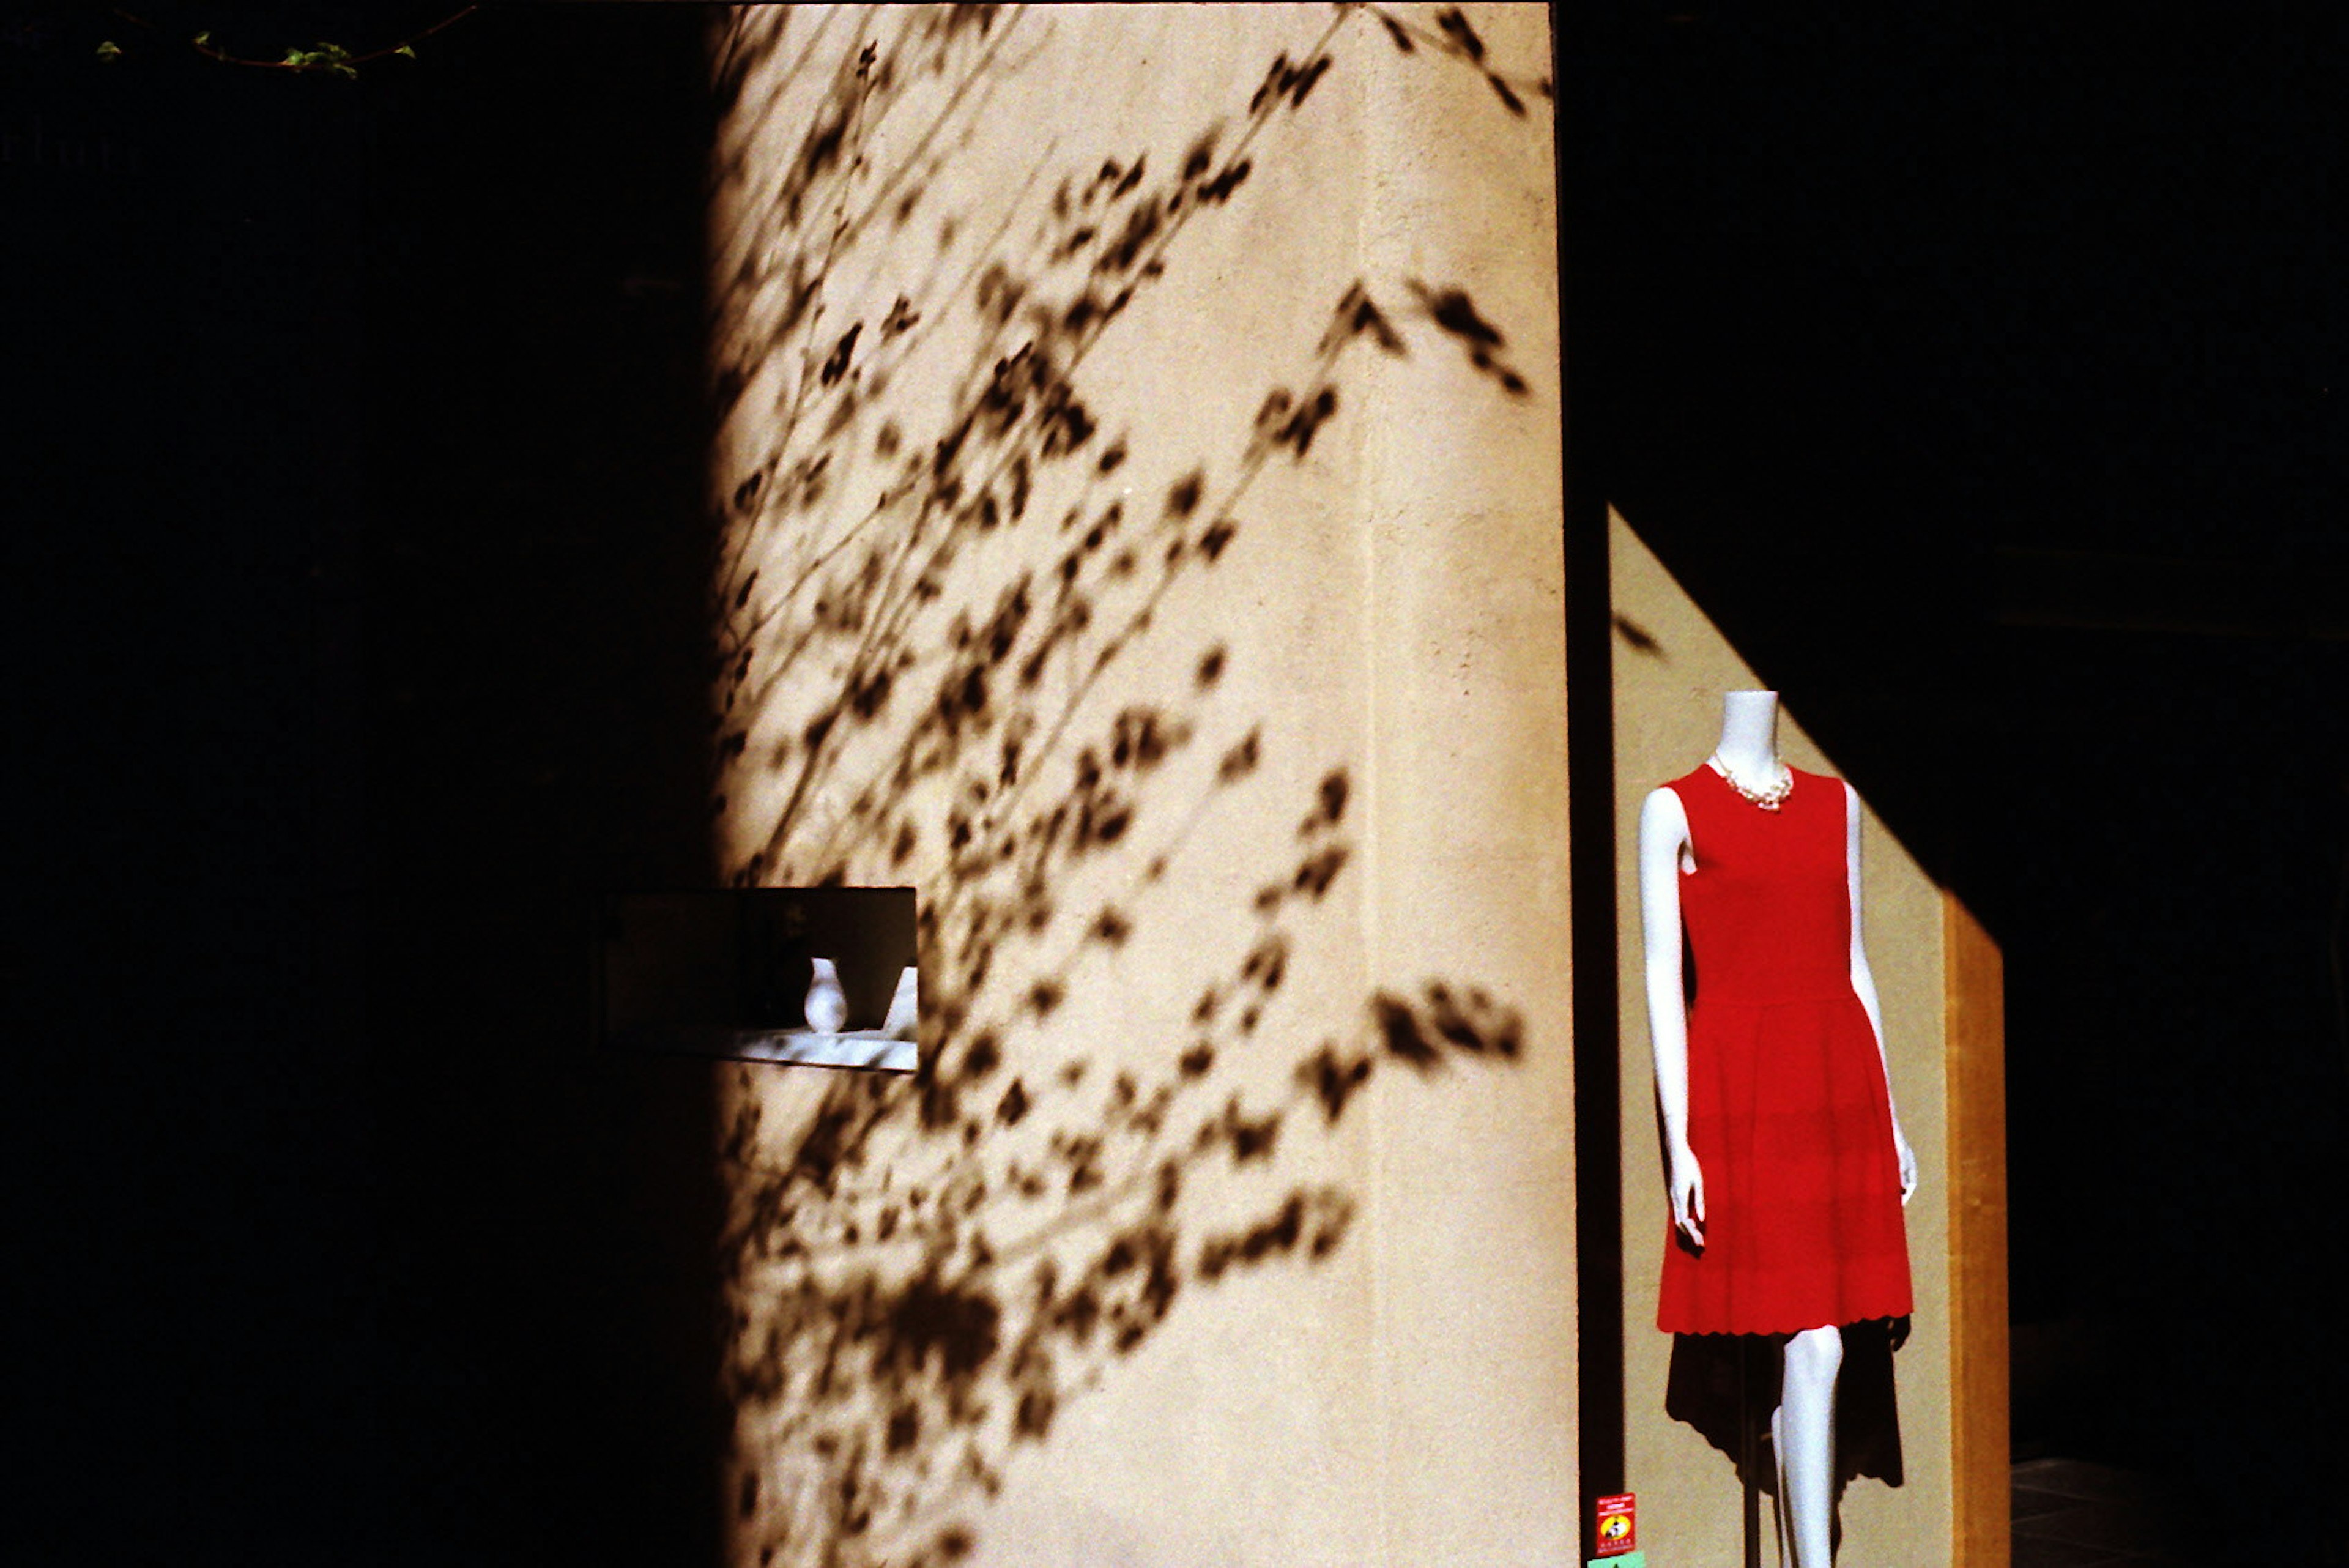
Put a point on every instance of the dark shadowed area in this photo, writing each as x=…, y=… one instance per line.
x=355, y=573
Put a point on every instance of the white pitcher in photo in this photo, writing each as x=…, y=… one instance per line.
x=827, y=1004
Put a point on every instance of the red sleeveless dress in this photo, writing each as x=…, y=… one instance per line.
x=1787, y=1114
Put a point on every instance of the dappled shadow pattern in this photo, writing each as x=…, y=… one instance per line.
x=919, y=1326
x=943, y=568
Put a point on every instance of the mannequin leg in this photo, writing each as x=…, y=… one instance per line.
x=1802, y=1432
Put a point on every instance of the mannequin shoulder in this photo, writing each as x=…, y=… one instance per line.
x=1854, y=814
x=1663, y=812
x=1843, y=787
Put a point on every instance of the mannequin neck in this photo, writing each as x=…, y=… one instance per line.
x=1749, y=735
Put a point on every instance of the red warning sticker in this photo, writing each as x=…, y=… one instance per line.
x=1616, y=1531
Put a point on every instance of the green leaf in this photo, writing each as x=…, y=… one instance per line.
x=340, y=69
x=294, y=58
x=109, y=51
x=203, y=40
x=405, y=51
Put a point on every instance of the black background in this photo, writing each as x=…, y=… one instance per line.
x=355, y=555
x=356, y=599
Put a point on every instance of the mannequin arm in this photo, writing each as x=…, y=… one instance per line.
x=1863, y=985
x=1663, y=835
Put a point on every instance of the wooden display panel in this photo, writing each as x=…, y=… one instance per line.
x=1976, y=1087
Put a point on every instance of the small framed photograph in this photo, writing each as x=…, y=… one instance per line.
x=823, y=976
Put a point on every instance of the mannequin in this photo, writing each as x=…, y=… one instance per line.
x=1802, y=1428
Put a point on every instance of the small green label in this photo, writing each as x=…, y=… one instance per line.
x=1628, y=1559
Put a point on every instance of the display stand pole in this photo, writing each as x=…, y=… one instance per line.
x=1745, y=1465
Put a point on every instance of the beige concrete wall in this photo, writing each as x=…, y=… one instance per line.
x=1233, y=1222
x=1671, y=667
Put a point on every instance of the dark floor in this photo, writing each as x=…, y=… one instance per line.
x=2070, y=1513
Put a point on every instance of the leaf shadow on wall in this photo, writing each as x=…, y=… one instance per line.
x=936, y=593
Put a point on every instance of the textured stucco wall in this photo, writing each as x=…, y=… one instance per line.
x=1668, y=686
x=1143, y=469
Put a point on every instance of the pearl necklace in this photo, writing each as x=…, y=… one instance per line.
x=1769, y=799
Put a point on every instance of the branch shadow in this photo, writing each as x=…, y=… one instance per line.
x=950, y=593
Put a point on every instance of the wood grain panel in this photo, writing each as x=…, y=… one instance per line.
x=1976, y=1036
